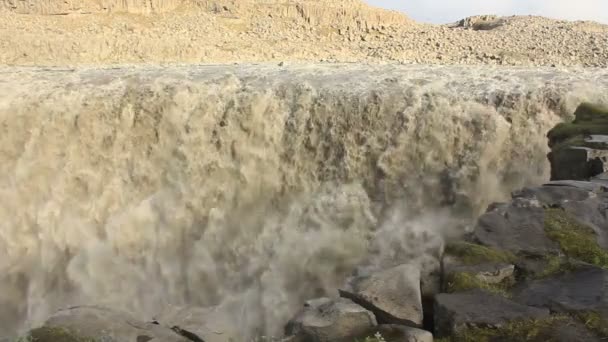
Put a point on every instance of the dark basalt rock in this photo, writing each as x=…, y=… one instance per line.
x=585, y=289
x=515, y=229
x=477, y=308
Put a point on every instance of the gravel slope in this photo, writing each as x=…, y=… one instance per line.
x=225, y=31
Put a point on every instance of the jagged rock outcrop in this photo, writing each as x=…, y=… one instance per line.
x=54, y=7
x=480, y=22
x=579, y=149
x=338, y=14
x=343, y=14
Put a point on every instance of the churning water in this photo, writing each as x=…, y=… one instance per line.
x=253, y=187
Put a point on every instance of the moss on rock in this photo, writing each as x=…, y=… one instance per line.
x=463, y=281
x=472, y=254
x=576, y=240
x=594, y=322
x=555, y=265
x=527, y=330
x=589, y=119
x=589, y=112
x=53, y=334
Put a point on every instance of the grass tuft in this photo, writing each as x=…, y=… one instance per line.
x=463, y=281
x=523, y=330
x=53, y=334
x=576, y=240
x=472, y=254
x=594, y=322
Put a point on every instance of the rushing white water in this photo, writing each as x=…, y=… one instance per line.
x=252, y=187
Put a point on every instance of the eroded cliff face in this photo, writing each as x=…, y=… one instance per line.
x=252, y=187
x=343, y=13
x=56, y=7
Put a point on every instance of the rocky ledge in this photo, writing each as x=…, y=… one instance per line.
x=533, y=269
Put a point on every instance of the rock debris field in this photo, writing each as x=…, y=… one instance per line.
x=225, y=31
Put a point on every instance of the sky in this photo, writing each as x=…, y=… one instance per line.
x=447, y=11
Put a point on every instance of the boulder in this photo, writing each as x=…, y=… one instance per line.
x=325, y=320
x=478, y=308
x=86, y=323
x=206, y=324
x=585, y=201
x=577, y=162
x=515, y=229
x=582, y=290
x=480, y=22
x=579, y=149
x=393, y=295
x=401, y=333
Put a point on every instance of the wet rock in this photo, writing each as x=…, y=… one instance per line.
x=572, y=330
x=325, y=320
x=207, y=324
x=477, y=308
x=577, y=162
x=515, y=229
x=595, y=187
x=393, y=295
x=586, y=201
x=555, y=193
x=601, y=179
x=401, y=333
x=579, y=149
x=558, y=328
x=91, y=322
x=585, y=289
x=592, y=213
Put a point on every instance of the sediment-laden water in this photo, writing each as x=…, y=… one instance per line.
x=253, y=187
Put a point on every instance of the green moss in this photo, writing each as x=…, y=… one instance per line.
x=463, y=281
x=590, y=112
x=589, y=119
x=51, y=334
x=472, y=254
x=556, y=265
x=594, y=322
x=575, y=239
x=571, y=134
x=528, y=330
